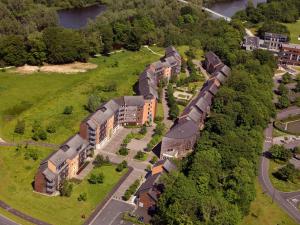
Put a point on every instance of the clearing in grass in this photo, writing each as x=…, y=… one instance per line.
x=294, y=29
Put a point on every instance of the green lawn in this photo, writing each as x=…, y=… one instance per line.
x=47, y=94
x=160, y=110
x=263, y=211
x=182, y=49
x=17, y=174
x=294, y=29
x=279, y=184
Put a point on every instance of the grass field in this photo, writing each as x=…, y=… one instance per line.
x=160, y=110
x=263, y=211
x=43, y=96
x=294, y=29
x=18, y=174
x=279, y=184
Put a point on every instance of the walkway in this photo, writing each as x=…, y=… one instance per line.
x=155, y=53
x=168, y=123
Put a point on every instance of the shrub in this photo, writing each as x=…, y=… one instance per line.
x=123, y=151
x=131, y=190
x=96, y=178
x=20, y=127
x=100, y=161
x=288, y=172
x=143, y=130
x=153, y=160
x=66, y=189
x=121, y=166
x=42, y=134
x=139, y=155
x=278, y=152
x=35, y=137
x=51, y=129
x=82, y=197
x=68, y=110
x=31, y=154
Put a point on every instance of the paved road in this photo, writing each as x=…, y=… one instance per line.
x=293, y=110
x=5, y=221
x=285, y=200
x=111, y=214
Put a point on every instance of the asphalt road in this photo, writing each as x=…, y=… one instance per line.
x=111, y=214
x=5, y=221
x=287, y=201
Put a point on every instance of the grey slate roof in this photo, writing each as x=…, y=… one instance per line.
x=149, y=183
x=220, y=77
x=49, y=174
x=68, y=150
x=213, y=59
x=202, y=104
x=211, y=87
x=252, y=41
x=147, y=84
x=134, y=100
x=183, y=130
x=226, y=71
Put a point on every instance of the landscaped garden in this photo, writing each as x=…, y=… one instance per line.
x=43, y=97
x=290, y=125
x=18, y=174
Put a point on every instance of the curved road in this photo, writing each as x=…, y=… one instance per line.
x=289, y=200
x=5, y=221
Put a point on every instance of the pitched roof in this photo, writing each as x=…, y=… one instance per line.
x=220, y=77
x=149, y=183
x=202, y=104
x=147, y=84
x=49, y=174
x=212, y=58
x=134, y=100
x=226, y=70
x=183, y=130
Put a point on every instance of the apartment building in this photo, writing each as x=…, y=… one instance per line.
x=181, y=138
x=61, y=165
x=97, y=129
x=289, y=54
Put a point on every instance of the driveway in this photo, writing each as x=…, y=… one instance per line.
x=112, y=213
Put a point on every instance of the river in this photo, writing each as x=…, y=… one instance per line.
x=230, y=8
x=78, y=17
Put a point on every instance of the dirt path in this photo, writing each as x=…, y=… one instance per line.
x=153, y=52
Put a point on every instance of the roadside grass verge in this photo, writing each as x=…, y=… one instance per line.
x=43, y=96
x=285, y=186
x=18, y=174
x=263, y=211
x=13, y=217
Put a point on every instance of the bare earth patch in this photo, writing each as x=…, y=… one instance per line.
x=76, y=67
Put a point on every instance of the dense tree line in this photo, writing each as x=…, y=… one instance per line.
x=274, y=10
x=216, y=184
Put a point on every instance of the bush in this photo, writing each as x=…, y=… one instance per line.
x=68, y=110
x=288, y=172
x=20, y=127
x=154, y=160
x=278, y=152
x=42, y=134
x=121, y=166
x=31, y=154
x=123, y=151
x=51, y=129
x=36, y=126
x=143, y=130
x=131, y=190
x=66, y=189
x=96, y=178
x=139, y=155
x=100, y=161
x=82, y=197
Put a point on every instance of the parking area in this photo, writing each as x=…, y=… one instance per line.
x=112, y=213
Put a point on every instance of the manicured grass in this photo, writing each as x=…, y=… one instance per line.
x=160, y=110
x=47, y=94
x=17, y=174
x=294, y=29
x=263, y=211
x=278, y=133
x=285, y=186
